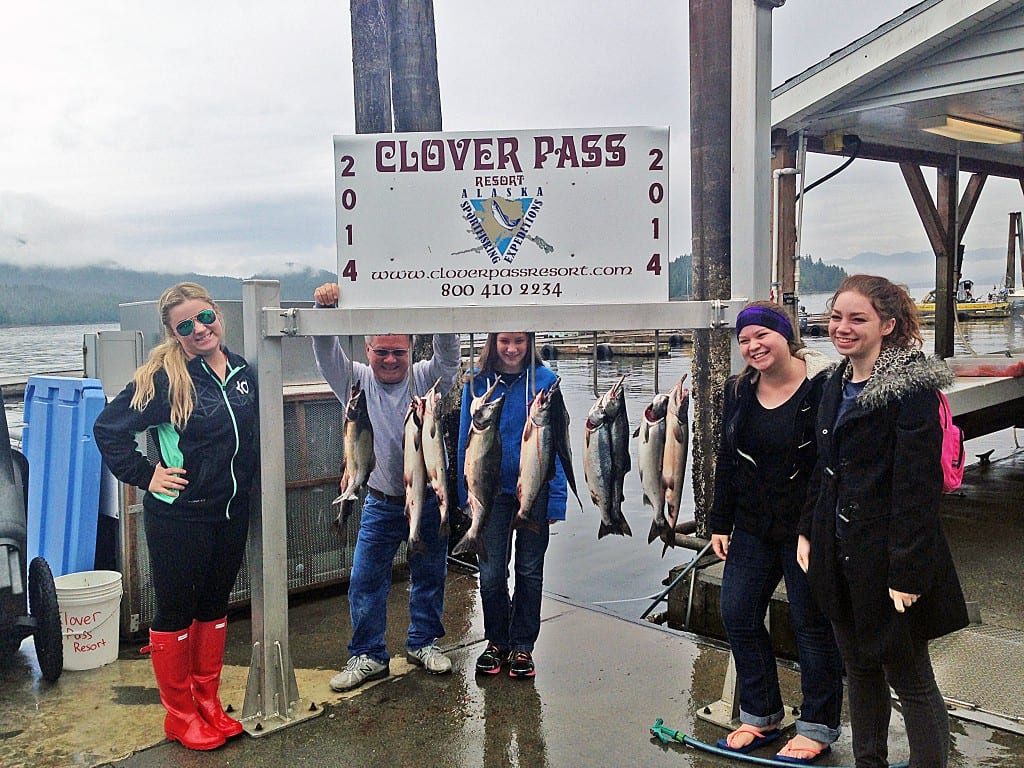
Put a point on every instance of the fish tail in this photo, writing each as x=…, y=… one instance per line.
x=620, y=528
x=578, y=499
x=657, y=531
x=669, y=537
x=416, y=546
x=522, y=520
x=341, y=521
x=471, y=543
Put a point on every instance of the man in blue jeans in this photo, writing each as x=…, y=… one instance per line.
x=389, y=382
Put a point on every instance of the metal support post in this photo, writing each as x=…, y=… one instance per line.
x=751, y=147
x=726, y=711
x=271, y=695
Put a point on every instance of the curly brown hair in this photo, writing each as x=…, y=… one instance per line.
x=892, y=302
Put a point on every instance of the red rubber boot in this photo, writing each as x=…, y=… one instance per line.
x=208, y=639
x=170, y=653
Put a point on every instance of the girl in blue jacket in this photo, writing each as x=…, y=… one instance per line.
x=511, y=626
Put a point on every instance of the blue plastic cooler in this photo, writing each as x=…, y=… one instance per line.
x=64, y=470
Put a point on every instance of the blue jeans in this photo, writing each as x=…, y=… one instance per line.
x=752, y=570
x=382, y=528
x=513, y=624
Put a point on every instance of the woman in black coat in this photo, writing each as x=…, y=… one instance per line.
x=762, y=470
x=870, y=537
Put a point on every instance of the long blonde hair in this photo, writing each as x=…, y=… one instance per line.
x=170, y=357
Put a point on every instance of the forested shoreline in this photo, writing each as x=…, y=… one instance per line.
x=81, y=295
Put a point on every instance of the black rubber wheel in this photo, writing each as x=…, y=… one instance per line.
x=49, y=637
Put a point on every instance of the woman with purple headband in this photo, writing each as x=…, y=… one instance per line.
x=763, y=466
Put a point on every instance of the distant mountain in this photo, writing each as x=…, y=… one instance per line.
x=57, y=296
x=985, y=266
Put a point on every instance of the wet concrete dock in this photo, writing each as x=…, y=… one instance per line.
x=601, y=682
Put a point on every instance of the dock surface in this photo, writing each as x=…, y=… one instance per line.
x=602, y=681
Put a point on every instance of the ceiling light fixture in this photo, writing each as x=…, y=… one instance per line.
x=968, y=130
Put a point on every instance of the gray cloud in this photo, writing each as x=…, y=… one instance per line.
x=200, y=133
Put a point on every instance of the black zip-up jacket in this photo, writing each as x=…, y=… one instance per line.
x=744, y=497
x=218, y=446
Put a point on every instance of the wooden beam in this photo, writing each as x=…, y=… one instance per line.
x=968, y=202
x=922, y=198
x=371, y=68
x=889, y=154
x=947, y=267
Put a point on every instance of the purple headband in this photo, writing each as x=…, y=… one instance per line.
x=767, y=317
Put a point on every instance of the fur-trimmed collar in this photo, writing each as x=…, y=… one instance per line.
x=899, y=372
x=815, y=361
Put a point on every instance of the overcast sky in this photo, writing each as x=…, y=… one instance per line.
x=198, y=135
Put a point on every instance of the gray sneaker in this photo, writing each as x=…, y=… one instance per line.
x=431, y=659
x=360, y=669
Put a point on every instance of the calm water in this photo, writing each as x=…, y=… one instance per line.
x=616, y=572
x=30, y=349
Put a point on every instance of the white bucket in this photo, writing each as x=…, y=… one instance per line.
x=90, y=604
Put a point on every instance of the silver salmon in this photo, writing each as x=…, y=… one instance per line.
x=560, y=430
x=482, y=468
x=536, y=460
x=601, y=466
x=650, y=452
x=673, y=465
x=357, y=444
x=414, y=473
x=434, y=455
x=616, y=410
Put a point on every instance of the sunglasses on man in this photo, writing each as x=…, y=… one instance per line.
x=382, y=353
x=206, y=317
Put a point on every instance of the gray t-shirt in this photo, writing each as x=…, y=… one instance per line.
x=387, y=404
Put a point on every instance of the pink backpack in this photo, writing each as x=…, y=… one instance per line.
x=952, y=447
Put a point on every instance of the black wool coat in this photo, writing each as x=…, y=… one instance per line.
x=877, y=485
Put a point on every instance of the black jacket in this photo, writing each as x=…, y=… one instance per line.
x=878, y=481
x=218, y=447
x=744, y=497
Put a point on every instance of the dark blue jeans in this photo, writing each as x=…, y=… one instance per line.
x=513, y=623
x=382, y=528
x=752, y=571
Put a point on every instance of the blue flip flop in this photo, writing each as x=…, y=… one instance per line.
x=803, y=760
x=759, y=740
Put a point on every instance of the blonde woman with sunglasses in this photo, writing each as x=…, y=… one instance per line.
x=197, y=400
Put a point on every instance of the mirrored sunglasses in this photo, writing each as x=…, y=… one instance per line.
x=206, y=317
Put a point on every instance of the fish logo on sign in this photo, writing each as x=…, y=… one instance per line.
x=501, y=224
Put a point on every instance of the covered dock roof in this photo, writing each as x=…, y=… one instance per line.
x=940, y=86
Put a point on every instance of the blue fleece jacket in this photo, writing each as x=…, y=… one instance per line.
x=513, y=419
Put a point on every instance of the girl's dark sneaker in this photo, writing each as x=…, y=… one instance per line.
x=521, y=664
x=490, y=661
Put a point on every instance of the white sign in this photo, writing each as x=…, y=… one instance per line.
x=502, y=218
